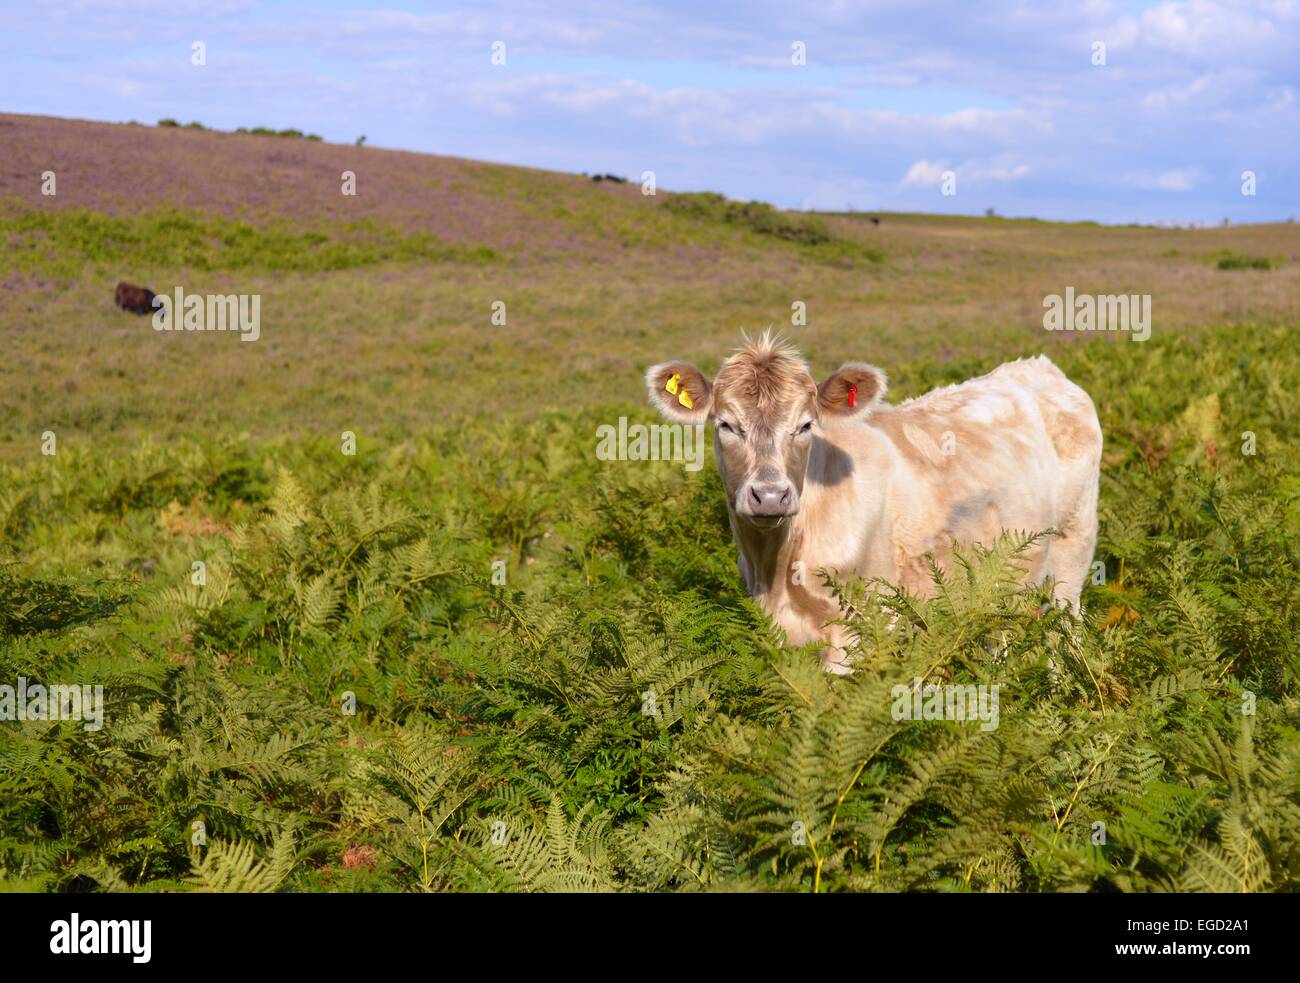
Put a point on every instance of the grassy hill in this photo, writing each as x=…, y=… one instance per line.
x=472, y=656
x=377, y=308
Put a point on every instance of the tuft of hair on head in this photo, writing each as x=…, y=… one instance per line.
x=765, y=370
x=767, y=345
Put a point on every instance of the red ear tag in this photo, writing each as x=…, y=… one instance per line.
x=853, y=395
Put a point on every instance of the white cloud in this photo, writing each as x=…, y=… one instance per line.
x=1176, y=96
x=1180, y=180
x=923, y=174
x=1176, y=181
x=975, y=173
x=126, y=88
x=1194, y=27
x=888, y=80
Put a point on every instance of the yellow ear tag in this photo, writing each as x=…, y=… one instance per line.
x=671, y=384
x=684, y=398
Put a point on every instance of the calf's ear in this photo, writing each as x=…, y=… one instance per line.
x=680, y=392
x=854, y=387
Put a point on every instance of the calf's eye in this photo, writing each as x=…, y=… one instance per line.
x=723, y=424
x=806, y=427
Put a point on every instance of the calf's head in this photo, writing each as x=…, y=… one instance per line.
x=767, y=412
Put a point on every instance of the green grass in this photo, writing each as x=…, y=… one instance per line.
x=805, y=230
x=264, y=131
x=1237, y=261
x=61, y=245
x=499, y=739
x=261, y=131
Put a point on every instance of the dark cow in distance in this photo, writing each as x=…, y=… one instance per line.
x=137, y=300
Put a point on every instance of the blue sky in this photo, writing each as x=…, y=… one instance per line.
x=893, y=94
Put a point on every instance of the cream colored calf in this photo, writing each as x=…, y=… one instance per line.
x=831, y=477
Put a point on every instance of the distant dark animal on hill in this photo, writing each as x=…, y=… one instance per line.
x=137, y=300
x=875, y=221
x=609, y=177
